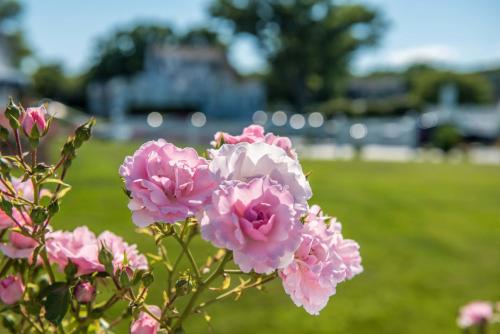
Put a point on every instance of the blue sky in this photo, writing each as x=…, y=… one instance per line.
x=463, y=33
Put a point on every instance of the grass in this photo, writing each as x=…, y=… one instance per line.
x=429, y=238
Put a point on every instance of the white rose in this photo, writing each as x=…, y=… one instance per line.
x=245, y=161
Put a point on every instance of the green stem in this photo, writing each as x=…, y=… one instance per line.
x=189, y=255
x=19, y=149
x=46, y=262
x=202, y=286
x=236, y=289
x=32, y=324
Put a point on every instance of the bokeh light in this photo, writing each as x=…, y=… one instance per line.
x=198, y=119
x=154, y=119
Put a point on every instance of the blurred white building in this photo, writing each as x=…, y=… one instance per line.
x=179, y=80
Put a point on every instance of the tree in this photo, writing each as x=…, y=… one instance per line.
x=425, y=83
x=10, y=31
x=123, y=52
x=50, y=81
x=308, y=43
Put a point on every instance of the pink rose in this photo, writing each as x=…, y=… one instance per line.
x=119, y=248
x=167, y=183
x=22, y=189
x=5, y=221
x=475, y=313
x=322, y=260
x=34, y=118
x=244, y=161
x=255, y=134
x=84, y=292
x=19, y=246
x=82, y=248
x=257, y=221
x=11, y=289
x=146, y=324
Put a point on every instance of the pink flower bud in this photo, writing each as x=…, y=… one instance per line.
x=84, y=292
x=11, y=289
x=146, y=324
x=34, y=117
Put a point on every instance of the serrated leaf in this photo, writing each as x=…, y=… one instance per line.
x=56, y=301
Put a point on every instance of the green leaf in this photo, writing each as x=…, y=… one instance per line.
x=53, y=208
x=57, y=181
x=56, y=299
x=6, y=207
x=106, y=259
x=124, y=279
x=147, y=279
x=70, y=270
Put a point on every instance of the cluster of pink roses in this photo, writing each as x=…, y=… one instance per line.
x=81, y=247
x=250, y=197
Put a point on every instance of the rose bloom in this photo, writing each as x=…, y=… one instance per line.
x=166, y=183
x=6, y=221
x=255, y=134
x=322, y=260
x=11, y=289
x=119, y=248
x=34, y=117
x=82, y=248
x=84, y=292
x=146, y=324
x=257, y=221
x=19, y=246
x=244, y=161
x=475, y=313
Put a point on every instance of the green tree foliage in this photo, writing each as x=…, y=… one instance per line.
x=50, y=81
x=10, y=31
x=308, y=43
x=425, y=83
x=122, y=53
x=446, y=137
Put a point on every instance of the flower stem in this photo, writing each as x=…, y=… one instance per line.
x=235, y=290
x=202, y=286
x=46, y=262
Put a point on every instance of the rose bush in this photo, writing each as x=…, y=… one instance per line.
x=249, y=199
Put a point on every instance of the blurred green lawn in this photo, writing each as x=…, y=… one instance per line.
x=429, y=236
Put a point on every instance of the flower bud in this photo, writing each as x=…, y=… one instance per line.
x=11, y=289
x=13, y=113
x=84, y=292
x=34, y=123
